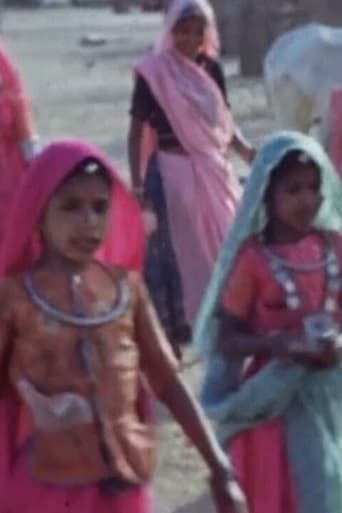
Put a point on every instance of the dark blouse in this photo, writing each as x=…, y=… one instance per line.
x=146, y=108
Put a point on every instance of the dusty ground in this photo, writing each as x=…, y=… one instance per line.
x=84, y=91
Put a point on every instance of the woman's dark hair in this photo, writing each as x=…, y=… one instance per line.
x=90, y=166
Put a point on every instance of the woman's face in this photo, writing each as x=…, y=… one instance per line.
x=188, y=36
x=75, y=221
x=294, y=199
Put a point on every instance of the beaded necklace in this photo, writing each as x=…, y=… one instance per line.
x=283, y=271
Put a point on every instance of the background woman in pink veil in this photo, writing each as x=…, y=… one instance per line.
x=18, y=141
x=181, y=116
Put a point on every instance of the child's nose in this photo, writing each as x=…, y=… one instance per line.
x=90, y=217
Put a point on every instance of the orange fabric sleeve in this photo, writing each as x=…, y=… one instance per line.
x=157, y=358
x=240, y=292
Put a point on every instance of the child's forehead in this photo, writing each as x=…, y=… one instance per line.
x=295, y=170
x=81, y=182
x=308, y=169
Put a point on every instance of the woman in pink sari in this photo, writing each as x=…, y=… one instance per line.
x=180, y=95
x=17, y=135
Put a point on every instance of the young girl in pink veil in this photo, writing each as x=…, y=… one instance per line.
x=77, y=332
x=18, y=140
x=180, y=98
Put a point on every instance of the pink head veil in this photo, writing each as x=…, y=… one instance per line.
x=211, y=46
x=125, y=240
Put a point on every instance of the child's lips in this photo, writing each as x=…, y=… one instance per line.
x=306, y=216
x=87, y=245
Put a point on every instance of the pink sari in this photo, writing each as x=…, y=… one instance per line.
x=201, y=191
x=124, y=246
x=15, y=128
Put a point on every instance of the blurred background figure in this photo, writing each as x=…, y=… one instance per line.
x=18, y=139
x=180, y=102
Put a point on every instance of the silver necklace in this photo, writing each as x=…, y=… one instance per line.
x=283, y=272
x=327, y=261
x=76, y=319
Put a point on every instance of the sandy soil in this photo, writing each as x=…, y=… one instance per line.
x=84, y=91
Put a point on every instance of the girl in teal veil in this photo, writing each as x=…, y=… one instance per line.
x=270, y=329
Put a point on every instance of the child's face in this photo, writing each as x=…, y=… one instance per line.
x=295, y=198
x=75, y=221
x=188, y=36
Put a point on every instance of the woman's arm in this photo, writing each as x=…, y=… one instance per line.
x=234, y=340
x=242, y=147
x=24, y=125
x=134, y=155
x=143, y=105
x=13, y=86
x=239, y=143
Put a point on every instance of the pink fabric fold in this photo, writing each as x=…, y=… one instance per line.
x=335, y=149
x=201, y=190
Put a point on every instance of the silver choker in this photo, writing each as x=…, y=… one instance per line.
x=283, y=272
x=75, y=319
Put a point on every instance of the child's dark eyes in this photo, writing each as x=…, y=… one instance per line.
x=73, y=205
x=101, y=207
x=297, y=188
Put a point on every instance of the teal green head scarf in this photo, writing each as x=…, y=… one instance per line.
x=251, y=218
